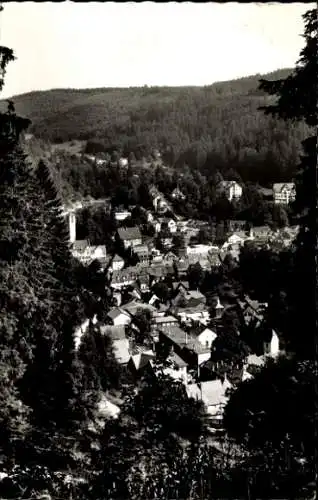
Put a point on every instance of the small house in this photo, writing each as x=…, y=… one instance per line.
x=284, y=193
x=130, y=236
x=119, y=317
x=177, y=195
x=117, y=263
x=141, y=362
x=206, y=337
x=143, y=253
x=80, y=250
x=178, y=369
x=231, y=189
x=164, y=322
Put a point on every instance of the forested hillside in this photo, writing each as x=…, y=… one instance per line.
x=217, y=126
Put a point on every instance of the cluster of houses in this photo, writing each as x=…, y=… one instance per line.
x=184, y=326
x=207, y=255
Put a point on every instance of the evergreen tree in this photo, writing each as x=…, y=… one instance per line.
x=280, y=441
x=16, y=295
x=297, y=101
x=44, y=414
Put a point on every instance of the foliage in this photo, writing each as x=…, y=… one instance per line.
x=297, y=102
x=100, y=369
x=187, y=125
x=274, y=414
x=273, y=409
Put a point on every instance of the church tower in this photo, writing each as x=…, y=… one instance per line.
x=72, y=226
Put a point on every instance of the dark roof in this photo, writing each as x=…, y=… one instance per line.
x=159, y=271
x=184, y=340
x=176, y=360
x=129, y=233
x=114, y=313
x=278, y=186
x=80, y=245
x=177, y=284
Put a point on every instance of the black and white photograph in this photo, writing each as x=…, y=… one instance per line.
x=158, y=251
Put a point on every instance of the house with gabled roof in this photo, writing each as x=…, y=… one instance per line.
x=185, y=345
x=252, y=311
x=141, y=362
x=181, y=286
x=163, y=322
x=119, y=316
x=188, y=298
x=177, y=195
x=117, y=263
x=214, y=394
x=135, y=306
x=143, y=253
x=130, y=236
x=198, y=314
x=177, y=369
x=79, y=249
x=231, y=189
x=284, y=193
x=206, y=337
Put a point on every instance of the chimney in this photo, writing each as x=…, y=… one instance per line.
x=72, y=226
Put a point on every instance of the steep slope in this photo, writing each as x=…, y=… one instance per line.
x=216, y=127
x=65, y=114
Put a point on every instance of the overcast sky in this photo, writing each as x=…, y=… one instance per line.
x=81, y=45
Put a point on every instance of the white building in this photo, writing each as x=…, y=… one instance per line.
x=72, y=226
x=194, y=314
x=284, y=193
x=178, y=369
x=231, y=189
x=85, y=253
x=207, y=337
x=119, y=317
x=271, y=346
x=117, y=263
x=122, y=215
x=123, y=162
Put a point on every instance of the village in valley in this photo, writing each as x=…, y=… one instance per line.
x=159, y=306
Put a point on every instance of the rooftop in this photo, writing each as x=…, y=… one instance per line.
x=165, y=319
x=117, y=258
x=116, y=312
x=134, y=306
x=213, y=392
x=279, y=186
x=142, y=359
x=115, y=332
x=183, y=339
x=176, y=360
x=129, y=233
x=80, y=245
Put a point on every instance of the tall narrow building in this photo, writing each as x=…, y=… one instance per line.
x=72, y=226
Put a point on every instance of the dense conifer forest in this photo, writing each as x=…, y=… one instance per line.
x=217, y=127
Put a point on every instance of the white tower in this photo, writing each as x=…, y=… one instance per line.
x=72, y=226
